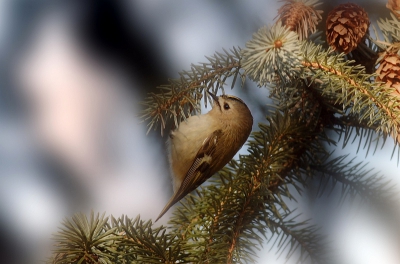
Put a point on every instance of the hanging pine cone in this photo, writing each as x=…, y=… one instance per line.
x=389, y=73
x=389, y=69
x=300, y=16
x=394, y=6
x=346, y=26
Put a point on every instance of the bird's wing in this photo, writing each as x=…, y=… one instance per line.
x=198, y=172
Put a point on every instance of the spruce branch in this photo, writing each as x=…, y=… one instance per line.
x=293, y=233
x=351, y=129
x=273, y=54
x=181, y=97
x=230, y=215
x=122, y=241
x=348, y=85
x=353, y=88
x=150, y=245
x=86, y=241
x=356, y=180
x=390, y=29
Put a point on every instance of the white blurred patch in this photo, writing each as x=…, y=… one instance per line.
x=69, y=94
x=362, y=239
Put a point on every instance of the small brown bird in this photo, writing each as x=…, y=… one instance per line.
x=203, y=144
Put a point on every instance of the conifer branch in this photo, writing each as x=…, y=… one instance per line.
x=293, y=234
x=355, y=180
x=353, y=82
x=86, y=241
x=390, y=29
x=181, y=97
x=245, y=191
x=151, y=245
x=353, y=89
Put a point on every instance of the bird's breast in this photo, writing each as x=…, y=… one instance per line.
x=185, y=142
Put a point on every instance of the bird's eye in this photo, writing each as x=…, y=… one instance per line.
x=226, y=106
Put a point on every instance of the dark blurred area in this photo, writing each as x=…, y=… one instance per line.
x=73, y=74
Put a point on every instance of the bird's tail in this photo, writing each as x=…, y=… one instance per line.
x=170, y=203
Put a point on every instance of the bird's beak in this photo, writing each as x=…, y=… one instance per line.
x=214, y=97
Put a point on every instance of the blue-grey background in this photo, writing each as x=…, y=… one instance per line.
x=73, y=74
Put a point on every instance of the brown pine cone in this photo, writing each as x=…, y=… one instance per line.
x=346, y=26
x=394, y=6
x=389, y=68
x=300, y=17
x=389, y=73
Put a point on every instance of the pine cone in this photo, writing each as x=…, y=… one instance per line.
x=346, y=26
x=389, y=73
x=389, y=69
x=300, y=17
x=394, y=6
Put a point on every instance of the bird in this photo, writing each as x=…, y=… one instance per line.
x=204, y=144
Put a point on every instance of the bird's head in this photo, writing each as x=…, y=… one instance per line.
x=231, y=109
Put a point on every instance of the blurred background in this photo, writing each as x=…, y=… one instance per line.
x=72, y=76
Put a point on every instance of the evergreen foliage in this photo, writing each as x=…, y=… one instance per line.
x=319, y=94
